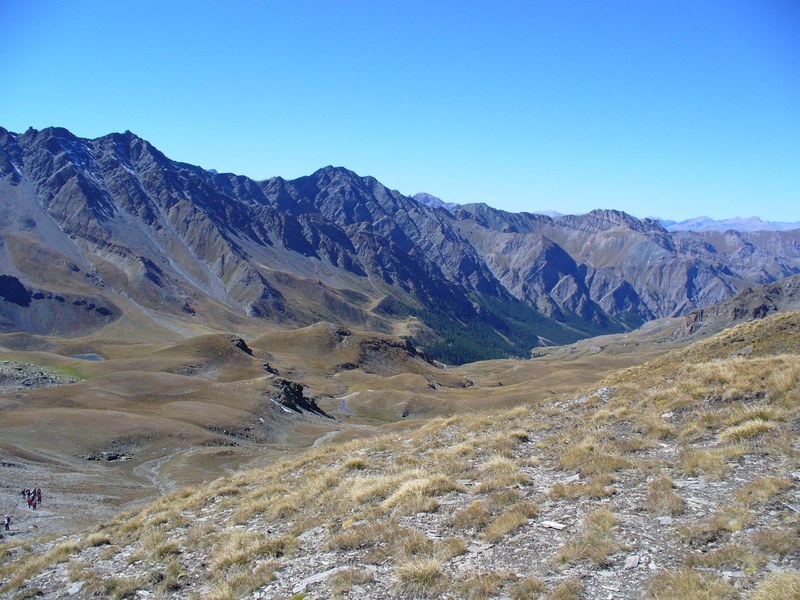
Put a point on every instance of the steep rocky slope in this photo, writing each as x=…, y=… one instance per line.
x=608, y=265
x=115, y=225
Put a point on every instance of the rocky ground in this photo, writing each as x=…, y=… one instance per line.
x=643, y=544
x=680, y=479
x=23, y=376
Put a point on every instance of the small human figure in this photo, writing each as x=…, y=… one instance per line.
x=7, y=522
x=39, y=495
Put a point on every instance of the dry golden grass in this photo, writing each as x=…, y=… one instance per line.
x=730, y=518
x=509, y=520
x=17, y=573
x=363, y=536
x=571, y=589
x=111, y=587
x=688, y=583
x=450, y=547
x=418, y=495
x=474, y=517
x=482, y=586
x=157, y=545
x=709, y=462
x=732, y=556
x=499, y=473
x=420, y=577
x=343, y=581
x=661, y=498
x=597, y=486
x=359, y=493
x=240, y=580
x=745, y=430
x=778, y=586
x=596, y=540
x=529, y=588
x=589, y=457
x=761, y=489
x=776, y=542
x=239, y=548
x=355, y=463
x=96, y=539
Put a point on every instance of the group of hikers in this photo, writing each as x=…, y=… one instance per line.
x=33, y=496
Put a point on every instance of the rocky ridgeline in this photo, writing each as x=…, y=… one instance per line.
x=489, y=282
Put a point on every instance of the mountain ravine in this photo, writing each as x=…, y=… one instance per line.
x=95, y=230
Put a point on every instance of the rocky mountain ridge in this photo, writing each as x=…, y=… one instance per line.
x=115, y=221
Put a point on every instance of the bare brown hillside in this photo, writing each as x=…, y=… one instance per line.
x=678, y=478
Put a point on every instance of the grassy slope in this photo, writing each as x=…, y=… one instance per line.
x=454, y=507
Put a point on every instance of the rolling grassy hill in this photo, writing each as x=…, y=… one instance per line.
x=675, y=478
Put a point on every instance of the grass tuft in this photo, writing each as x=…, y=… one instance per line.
x=688, y=583
x=778, y=586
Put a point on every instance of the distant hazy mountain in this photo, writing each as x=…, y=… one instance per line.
x=91, y=230
x=735, y=224
x=433, y=201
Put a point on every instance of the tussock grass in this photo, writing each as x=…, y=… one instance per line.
x=498, y=473
x=709, y=462
x=420, y=577
x=377, y=488
x=778, y=586
x=717, y=411
x=157, y=545
x=596, y=540
x=571, y=589
x=449, y=548
x=112, y=587
x=241, y=580
x=661, y=498
x=688, y=583
x=529, y=588
x=509, y=520
x=776, y=542
x=239, y=548
x=597, y=486
x=482, y=586
x=589, y=457
x=417, y=495
x=474, y=517
x=356, y=463
x=761, y=490
x=96, y=539
x=730, y=556
x=745, y=430
x=363, y=536
x=15, y=574
x=345, y=580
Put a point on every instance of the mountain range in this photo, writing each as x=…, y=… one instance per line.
x=98, y=231
x=735, y=224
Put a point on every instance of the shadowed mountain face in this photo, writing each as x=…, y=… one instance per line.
x=113, y=223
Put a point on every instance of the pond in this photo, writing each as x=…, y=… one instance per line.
x=87, y=356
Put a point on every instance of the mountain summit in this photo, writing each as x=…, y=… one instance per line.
x=98, y=230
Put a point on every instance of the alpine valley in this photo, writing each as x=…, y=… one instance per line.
x=323, y=388
x=96, y=231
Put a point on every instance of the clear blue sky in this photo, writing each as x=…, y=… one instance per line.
x=672, y=108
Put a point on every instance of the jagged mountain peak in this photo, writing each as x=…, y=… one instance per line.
x=605, y=219
x=181, y=240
